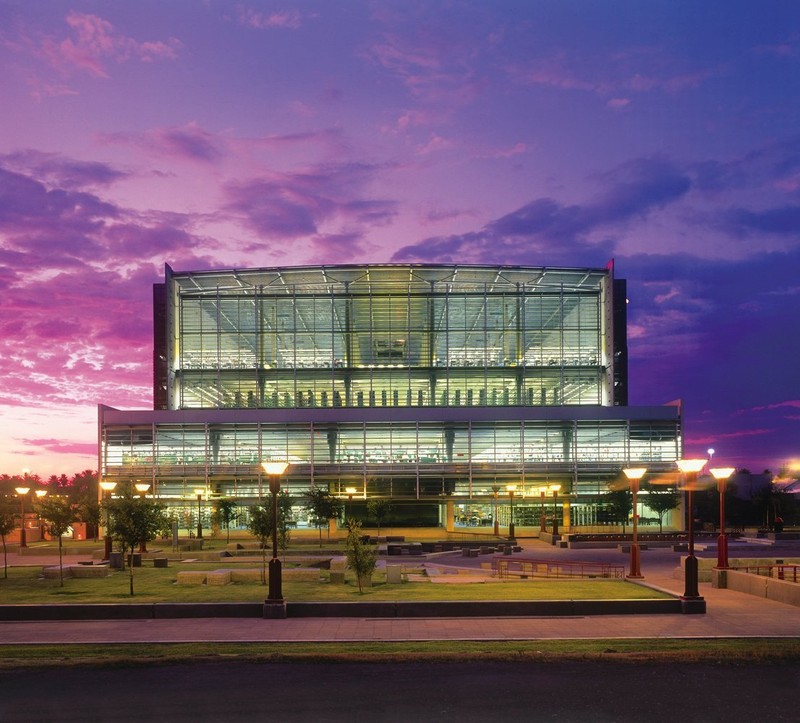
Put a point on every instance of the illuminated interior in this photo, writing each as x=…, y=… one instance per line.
x=426, y=385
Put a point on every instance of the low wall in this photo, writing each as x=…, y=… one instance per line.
x=489, y=608
x=770, y=588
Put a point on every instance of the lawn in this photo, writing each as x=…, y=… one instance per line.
x=670, y=652
x=24, y=586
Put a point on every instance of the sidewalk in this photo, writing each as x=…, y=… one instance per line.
x=729, y=614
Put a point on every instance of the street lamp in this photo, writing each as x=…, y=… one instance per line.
x=108, y=488
x=554, y=489
x=22, y=491
x=495, y=518
x=274, y=470
x=511, y=489
x=199, y=491
x=634, y=475
x=721, y=474
x=542, y=521
x=691, y=467
x=141, y=488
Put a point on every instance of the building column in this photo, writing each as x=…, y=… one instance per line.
x=449, y=519
x=566, y=519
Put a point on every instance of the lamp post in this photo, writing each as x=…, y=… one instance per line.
x=141, y=488
x=495, y=519
x=274, y=471
x=542, y=518
x=554, y=489
x=40, y=495
x=199, y=491
x=690, y=467
x=108, y=488
x=22, y=491
x=721, y=474
x=634, y=475
x=511, y=489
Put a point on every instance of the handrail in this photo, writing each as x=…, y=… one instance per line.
x=779, y=570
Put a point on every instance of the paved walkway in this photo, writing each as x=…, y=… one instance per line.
x=729, y=614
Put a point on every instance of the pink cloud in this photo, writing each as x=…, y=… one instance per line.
x=94, y=42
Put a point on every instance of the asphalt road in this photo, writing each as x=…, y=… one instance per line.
x=594, y=692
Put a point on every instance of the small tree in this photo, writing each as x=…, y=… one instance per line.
x=224, y=513
x=8, y=524
x=322, y=507
x=620, y=503
x=134, y=519
x=379, y=509
x=361, y=556
x=661, y=500
x=260, y=525
x=59, y=514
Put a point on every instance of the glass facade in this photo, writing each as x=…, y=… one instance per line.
x=388, y=337
x=417, y=383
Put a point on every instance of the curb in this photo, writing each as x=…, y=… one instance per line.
x=388, y=609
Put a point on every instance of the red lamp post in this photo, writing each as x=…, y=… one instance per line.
x=634, y=475
x=721, y=474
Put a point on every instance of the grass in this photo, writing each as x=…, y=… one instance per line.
x=672, y=651
x=24, y=586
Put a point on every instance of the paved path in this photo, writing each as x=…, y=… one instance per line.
x=729, y=614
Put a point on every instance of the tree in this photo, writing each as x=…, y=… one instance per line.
x=59, y=514
x=379, y=509
x=260, y=525
x=322, y=507
x=224, y=513
x=8, y=523
x=620, y=504
x=361, y=556
x=134, y=519
x=661, y=500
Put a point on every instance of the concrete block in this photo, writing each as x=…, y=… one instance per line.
x=394, y=574
x=249, y=575
x=337, y=577
x=192, y=577
x=87, y=571
x=160, y=562
x=218, y=577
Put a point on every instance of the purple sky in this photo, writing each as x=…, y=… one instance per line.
x=663, y=134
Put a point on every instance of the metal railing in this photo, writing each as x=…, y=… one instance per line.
x=527, y=567
x=780, y=572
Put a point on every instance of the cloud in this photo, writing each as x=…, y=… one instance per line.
x=284, y=19
x=784, y=221
x=189, y=142
x=58, y=170
x=93, y=42
x=547, y=229
x=59, y=446
x=292, y=205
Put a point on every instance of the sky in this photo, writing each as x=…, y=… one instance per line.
x=663, y=135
